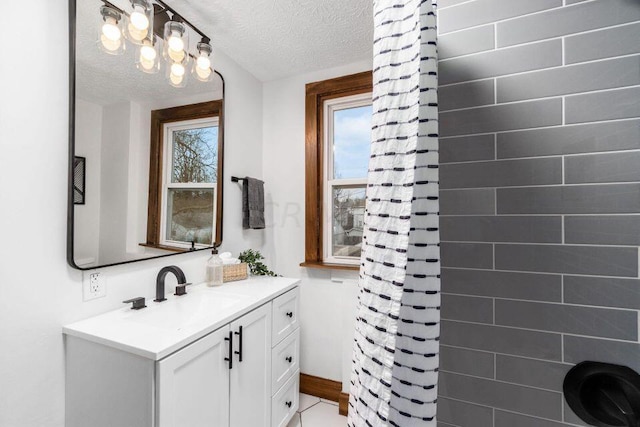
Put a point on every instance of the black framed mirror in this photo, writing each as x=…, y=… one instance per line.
x=146, y=116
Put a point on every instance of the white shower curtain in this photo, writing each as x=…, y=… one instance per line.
x=395, y=358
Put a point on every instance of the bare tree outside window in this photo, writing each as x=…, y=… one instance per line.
x=195, y=155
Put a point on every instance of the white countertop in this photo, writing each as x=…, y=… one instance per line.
x=164, y=327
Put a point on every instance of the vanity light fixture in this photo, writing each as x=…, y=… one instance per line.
x=140, y=22
x=110, y=38
x=154, y=26
x=202, y=65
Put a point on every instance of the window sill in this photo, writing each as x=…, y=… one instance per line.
x=164, y=247
x=328, y=266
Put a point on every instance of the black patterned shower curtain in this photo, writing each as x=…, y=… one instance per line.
x=395, y=359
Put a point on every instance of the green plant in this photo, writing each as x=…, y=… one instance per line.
x=254, y=260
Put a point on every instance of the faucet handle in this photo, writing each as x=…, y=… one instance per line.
x=181, y=288
x=138, y=303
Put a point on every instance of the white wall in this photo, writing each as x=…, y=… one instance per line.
x=38, y=291
x=88, y=145
x=327, y=307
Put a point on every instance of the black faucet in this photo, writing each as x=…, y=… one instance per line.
x=160, y=280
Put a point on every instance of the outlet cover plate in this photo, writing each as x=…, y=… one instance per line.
x=94, y=285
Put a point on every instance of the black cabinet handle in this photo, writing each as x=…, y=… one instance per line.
x=230, y=358
x=239, y=352
x=289, y=314
x=288, y=403
x=289, y=359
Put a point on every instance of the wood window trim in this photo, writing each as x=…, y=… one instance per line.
x=316, y=94
x=158, y=119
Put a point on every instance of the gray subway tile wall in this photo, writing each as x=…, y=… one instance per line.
x=540, y=202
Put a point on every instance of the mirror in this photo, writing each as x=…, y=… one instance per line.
x=146, y=135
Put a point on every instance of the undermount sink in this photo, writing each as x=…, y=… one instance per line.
x=185, y=310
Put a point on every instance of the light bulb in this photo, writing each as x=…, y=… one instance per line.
x=147, y=64
x=110, y=30
x=110, y=45
x=138, y=19
x=147, y=53
x=177, y=70
x=203, y=62
x=176, y=80
x=136, y=34
x=175, y=42
x=176, y=56
x=203, y=73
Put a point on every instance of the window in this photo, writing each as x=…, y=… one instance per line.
x=338, y=135
x=185, y=189
x=347, y=146
x=189, y=182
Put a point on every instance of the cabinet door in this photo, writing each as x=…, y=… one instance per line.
x=193, y=384
x=250, y=380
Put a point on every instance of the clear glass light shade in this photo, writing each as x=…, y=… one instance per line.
x=177, y=73
x=176, y=41
x=110, y=38
x=147, y=58
x=139, y=25
x=202, y=69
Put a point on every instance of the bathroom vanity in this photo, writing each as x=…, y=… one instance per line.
x=225, y=356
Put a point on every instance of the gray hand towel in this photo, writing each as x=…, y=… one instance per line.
x=252, y=203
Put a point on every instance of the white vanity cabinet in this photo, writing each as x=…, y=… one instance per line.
x=238, y=375
x=193, y=384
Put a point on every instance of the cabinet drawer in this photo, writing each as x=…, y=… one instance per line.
x=285, y=360
x=285, y=315
x=285, y=403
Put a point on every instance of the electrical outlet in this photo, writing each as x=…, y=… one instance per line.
x=94, y=285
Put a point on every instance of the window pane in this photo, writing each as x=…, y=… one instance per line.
x=190, y=215
x=195, y=155
x=351, y=142
x=348, y=221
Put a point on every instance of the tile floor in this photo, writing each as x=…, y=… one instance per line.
x=316, y=412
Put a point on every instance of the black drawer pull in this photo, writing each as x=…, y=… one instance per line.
x=289, y=359
x=230, y=358
x=288, y=403
x=290, y=314
x=239, y=352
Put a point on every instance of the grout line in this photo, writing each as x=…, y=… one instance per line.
x=502, y=381
x=579, y=184
x=547, y=156
x=498, y=20
x=548, y=332
x=547, y=98
x=562, y=347
x=534, y=70
x=506, y=354
x=528, y=243
x=532, y=302
x=564, y=62
x=541, y=273
x=627, y=119
x=564, y=109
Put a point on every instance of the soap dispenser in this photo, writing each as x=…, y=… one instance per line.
x=215, y=268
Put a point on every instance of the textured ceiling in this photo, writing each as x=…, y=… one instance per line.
x=273, y=39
